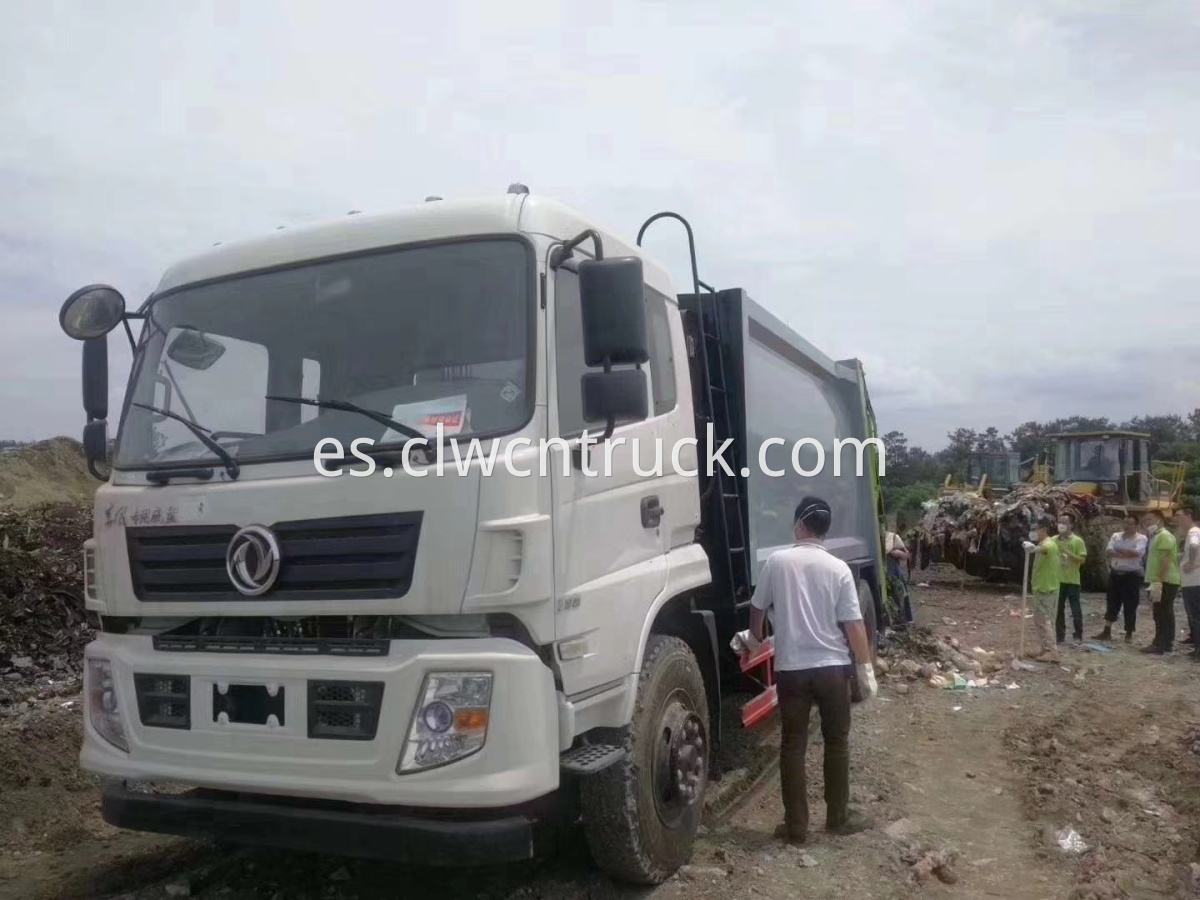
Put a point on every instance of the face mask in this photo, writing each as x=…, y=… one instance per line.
x=1035, y=536
x=1062, y=529
x=1150, y=529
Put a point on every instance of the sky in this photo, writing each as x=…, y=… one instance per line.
x=993, y=205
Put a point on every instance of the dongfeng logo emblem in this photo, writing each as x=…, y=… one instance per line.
x=252, y=560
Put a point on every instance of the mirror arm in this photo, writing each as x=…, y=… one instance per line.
x=563, y=252
x=129, y=334
x=91, y=467
x=608, y=429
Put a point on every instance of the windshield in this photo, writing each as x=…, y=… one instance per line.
x=1094, y=460
x=1000, y=469
x=424, y=334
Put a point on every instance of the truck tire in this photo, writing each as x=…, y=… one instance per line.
x=641, y=815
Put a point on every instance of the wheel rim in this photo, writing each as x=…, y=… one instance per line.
x=680, y=755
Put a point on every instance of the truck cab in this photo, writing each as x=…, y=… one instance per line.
x=367, y=581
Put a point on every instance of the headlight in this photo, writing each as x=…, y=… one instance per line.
x=103, y=711
x=450, y=721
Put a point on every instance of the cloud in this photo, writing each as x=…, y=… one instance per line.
x=991, y=205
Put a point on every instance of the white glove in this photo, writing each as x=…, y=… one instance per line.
x=1156, y=592
x=1028, y=545
x=866, y=680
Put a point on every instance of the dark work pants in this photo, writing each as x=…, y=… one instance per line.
x=1068, y=592
x=1164, y=617
x=1124, y=593
x=1191, y=606
x=829, y=688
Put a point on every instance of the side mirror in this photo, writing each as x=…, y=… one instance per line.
x=612, y=301
x=95, y=378
x=92, y=312
x=95, y=445
x=195, y=350
x=613, y=396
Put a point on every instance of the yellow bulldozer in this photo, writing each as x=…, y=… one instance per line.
x=1115, y=466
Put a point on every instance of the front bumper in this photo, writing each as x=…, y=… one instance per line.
x=403, y=836
x=518, y=763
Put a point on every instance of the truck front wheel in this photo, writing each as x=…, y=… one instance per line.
x=641, y=815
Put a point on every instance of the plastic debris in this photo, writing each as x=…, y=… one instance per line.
x=1097, y=648
x=984, y=537
x=1019, y=665
x=1070, y=841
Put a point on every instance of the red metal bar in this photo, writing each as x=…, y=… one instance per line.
x=765, y=703
x=764, y=653
x=759, y=708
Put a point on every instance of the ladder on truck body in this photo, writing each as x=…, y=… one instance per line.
x=724, y=513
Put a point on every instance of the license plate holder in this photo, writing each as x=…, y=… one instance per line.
x=247, y=704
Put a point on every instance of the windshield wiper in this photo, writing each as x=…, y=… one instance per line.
x=347, y=406
x=202, y=434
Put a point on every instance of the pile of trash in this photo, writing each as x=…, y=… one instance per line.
x=984, y=537
x=43, y=623
x=918, y=654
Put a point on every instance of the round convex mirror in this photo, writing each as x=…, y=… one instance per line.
x=92, y=312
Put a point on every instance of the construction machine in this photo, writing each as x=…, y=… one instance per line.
x=989, y=473
x=1116, y=467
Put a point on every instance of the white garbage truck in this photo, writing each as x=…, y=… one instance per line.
x=425, y=534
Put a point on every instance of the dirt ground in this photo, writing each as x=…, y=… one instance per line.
x=970, y=791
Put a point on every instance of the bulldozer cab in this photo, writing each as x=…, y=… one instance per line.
x=996, y=471
x=1115, y=467
x=988, y=473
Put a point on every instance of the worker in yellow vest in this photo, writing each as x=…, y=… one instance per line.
x=1044, y=585
x=1163, y=576
x=1073, y=552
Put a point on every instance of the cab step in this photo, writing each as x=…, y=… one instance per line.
x=588, y=759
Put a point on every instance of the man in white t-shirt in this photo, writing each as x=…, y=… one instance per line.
x=810, y=596
x=1188, y=533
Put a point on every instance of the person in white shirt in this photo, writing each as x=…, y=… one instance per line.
x=810, y=596
x=1188, y=533
x=1126, y=554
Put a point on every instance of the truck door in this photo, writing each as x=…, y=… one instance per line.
x=609, y=559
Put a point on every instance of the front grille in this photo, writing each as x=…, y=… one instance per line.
x=355, y=557
x=282, y=646
x=164, y=701
x=344, y=710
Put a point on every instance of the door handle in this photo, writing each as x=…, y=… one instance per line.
x=652, y=512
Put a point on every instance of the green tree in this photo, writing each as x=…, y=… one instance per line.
x=990, y=441
x=962, y=442
x=1170, y=429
